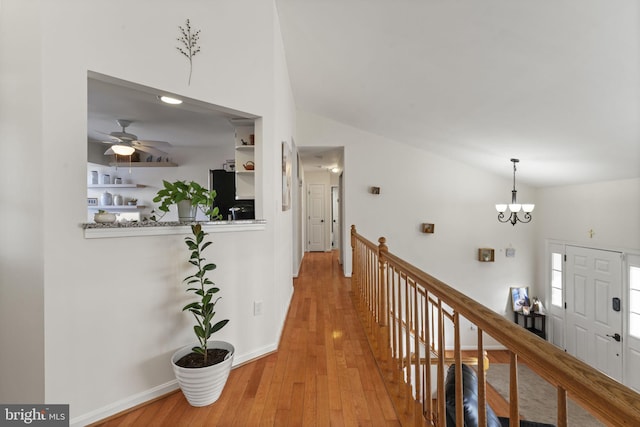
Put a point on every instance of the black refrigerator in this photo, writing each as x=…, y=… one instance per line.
x=225, y=185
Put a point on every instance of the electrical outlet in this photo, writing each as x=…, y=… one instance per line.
x=257, y=308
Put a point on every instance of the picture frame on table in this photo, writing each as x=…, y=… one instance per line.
x=519, y=298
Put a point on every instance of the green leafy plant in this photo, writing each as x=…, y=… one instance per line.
x=177, y=191
x=203, y=310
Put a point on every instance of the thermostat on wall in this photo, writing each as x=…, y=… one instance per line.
x=510, y=252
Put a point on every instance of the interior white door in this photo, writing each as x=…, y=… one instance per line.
x=316, y=220
x=593, y=321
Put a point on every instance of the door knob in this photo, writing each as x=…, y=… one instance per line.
x=615, y=336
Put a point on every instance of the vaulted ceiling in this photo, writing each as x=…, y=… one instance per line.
x=556, y=84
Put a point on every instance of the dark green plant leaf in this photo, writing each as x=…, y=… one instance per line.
x=221, y=324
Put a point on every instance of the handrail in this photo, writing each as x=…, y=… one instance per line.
x=403, y=287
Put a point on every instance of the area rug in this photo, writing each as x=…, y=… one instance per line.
x=537, y=398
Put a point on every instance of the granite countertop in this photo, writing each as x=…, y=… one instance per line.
x=141, y=224
x=94, y=230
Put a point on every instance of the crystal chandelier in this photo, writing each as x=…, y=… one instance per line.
x=514, y=206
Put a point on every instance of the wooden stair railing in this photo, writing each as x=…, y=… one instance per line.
x=408, y=315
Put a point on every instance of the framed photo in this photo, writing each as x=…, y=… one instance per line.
x=519, y=298
x=92, y=201
x=286, y=176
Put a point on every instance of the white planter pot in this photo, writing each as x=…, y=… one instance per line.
x=203, y=386
x=186, y=212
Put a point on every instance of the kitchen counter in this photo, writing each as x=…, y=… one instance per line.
x=162, y=228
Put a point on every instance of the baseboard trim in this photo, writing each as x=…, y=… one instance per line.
x=125, y=404
x=122, y=406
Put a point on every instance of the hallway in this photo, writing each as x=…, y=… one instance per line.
x=322, y=374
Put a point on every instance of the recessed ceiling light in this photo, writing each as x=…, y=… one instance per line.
x=169, y=100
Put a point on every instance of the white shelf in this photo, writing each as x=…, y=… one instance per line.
x=117, y=208
x=245, y=197
x=116, y=186
x=246, y=172
x=144, y=164
x=245, y=147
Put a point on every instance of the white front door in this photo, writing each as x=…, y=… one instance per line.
x=593, y=328
x=316, y=222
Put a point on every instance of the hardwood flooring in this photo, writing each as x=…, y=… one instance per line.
x=323, y=373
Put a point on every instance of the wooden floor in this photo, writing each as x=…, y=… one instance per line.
x=323, y=373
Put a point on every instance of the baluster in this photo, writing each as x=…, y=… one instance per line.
x=407, y=342
x=514, y=411
x=442, y=408
x=482, y=383
x=458, y=361
x=416, y=341
x=562, y=415
x=427, y=404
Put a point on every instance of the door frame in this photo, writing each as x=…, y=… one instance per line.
x=627, y=256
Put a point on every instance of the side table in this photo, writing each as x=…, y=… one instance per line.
x=531, y=321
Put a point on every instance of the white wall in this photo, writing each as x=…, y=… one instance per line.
x=567, y=214
x=112, y=306
x=21, y=211
x=418, y=187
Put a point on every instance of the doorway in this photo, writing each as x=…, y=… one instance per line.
x=316, y=218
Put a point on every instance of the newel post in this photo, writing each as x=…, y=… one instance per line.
x=383, y=308
x=353, y=253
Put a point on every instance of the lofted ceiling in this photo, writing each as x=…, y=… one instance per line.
x=555, y=84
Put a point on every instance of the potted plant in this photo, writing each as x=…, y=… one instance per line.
x=202, y=371
x=188, y=196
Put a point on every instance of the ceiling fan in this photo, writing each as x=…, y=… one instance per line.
x=125, y=144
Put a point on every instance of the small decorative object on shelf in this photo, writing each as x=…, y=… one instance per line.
x=374, y=190
x=486, y=255
x=249, y=165
x=106, y=199
x=103, y=217
x=428, y=228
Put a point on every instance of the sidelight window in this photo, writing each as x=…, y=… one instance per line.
x=634, y=301
x=556, y=279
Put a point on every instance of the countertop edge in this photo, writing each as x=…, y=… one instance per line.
x=94, y=231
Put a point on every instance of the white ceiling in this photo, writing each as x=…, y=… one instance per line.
x=193, y=123
x=555, y=84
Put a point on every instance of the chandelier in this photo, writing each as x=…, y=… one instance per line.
x=514, y=206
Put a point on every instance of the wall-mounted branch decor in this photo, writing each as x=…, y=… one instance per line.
x=189, y=48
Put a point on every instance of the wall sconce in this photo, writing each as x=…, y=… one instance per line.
x=428, y=228
x=486, y=255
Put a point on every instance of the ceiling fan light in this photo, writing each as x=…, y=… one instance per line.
x=528, y=207
x=123, y=150
x=515, y=207
x=170, y=100
x=501, y=207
